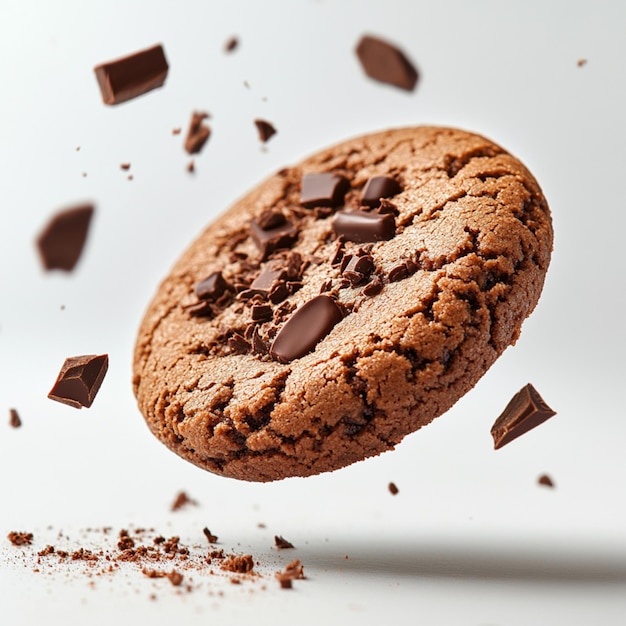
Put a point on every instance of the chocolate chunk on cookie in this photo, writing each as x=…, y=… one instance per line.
x=344, y=303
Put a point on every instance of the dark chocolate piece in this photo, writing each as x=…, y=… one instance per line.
x=61, y=242
x=270, y=274
x=198, y=133
x=132, y=75
x=399, y=272
x=79, y=380
x=308, y=325
x=261, y=312
x=545, y=480
x=384, y=62
x=265, y=129
x=212, y=287
x=379, y=187
x=231, y=44
x=268, y=240
x=282, y=543
x=363, y=226
x=393, y=490
x=238, y=345
x=124, y=166
x=14, y=418
x=358, y=268
x=323, y=190
x=525, y=411
x=211, y=538
x=373, y=288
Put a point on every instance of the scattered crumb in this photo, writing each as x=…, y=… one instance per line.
x=176, y=578
x=282, y=543
x=581, y=62
x=231, y=44
x=393, y=490
x=191, y=167
x=198, y=133
x=18, y=538
x=265, y=129
x=293, y=571
x=14, y=418
x=545, y=480
x=182, y=500
x=211, y=538
x=177, y=130
x=125, y=166
x=240, y=564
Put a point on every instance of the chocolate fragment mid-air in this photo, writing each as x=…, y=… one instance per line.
x=14, y=418
x=545, y=480
x=198, y=133
x=525, y=411
x=363, y=226
x=133, y=75
x=323, y=190
x=265, y=129
x=61, y=242
x=79, y=380
x=305, y=328
x=282, y=543
x=379, y=187
x=384, y=62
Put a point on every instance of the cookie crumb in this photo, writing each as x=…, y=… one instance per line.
x=239, y=564
x=182, y=500
x=282, y=543
x=393, y=490
x=14, y=418
x=211, y=538
x=545, y=480
x=124, y=166
x=177, y=130
x=176, y=578
x=265, y=129
x=18, y=538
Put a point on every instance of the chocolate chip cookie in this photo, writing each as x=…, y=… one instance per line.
x=343, y=304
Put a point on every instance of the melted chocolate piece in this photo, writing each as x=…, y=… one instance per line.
x=132, y=76
x=268, y=240
x=62, y=240
x=323, y=190
x=212, y=287
x=79, y=380
x=525, y=411
x=305, y=328
x=379, y=187
x=384, y=62
x=362, y=227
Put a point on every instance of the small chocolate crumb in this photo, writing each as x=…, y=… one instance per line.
x=198, y=133
x=240, y=564
x=545, y=480
x=211, y=538
x=525, y=411
x=581, y=62
x=231, y=44
x=177, y=131
x=61, y=242
x=191, y=167
x=18, y=538
x=79, y=380
x=282, y=543
x=385, y=63
x=293, y=571
x=125, y=166
x=131, y=76
x=176, y=578
x=14, y=418
x=265, y=129
x=182, y=500
x=393, y=490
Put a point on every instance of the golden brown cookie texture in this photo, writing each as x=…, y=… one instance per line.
x=343, y=304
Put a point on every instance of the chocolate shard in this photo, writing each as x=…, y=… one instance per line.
x=271, y=273
x=282, y=543
x=133, y=75
x=525, y=411
x=261, y=312
x=14, y=418
x=198, y=133
x=323, y=190
x=79, y=380
x=305, y=329
x=379, y=187
x=265, y=129
x=62, y=240
x=358, y=268
x=270, y=239
x=363, y=226
x=211, y=287
x=385, y=63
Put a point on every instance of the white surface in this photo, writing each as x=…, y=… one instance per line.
x=471, y=538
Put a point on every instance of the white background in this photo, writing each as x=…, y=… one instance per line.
x=471, y=538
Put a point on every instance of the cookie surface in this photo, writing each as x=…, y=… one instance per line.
x=343, y=304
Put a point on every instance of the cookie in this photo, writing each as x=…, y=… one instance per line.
x=343, y=304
